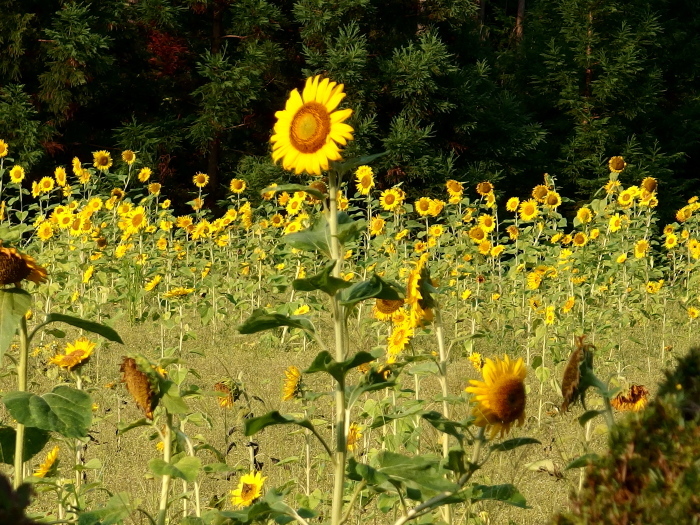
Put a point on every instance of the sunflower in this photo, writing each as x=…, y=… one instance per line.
x=539, y=193
x=487, y=222
x=60, y=174
x=568, y=305
x=101, y=160
x=634, y=400
x=16, y=267
x=584, y=215
x=154, y=188
x=293, y=386
x=436, y=230
x=484, y=188
x=671, y=241
x=226, y=398
x=249, y=489
x=87, y=275
x=294, y=206
x=197, y=204
x=553, y=199
x=128, y=156
x=152, y=283
x=534, y=279
x=640, y=248
x=144, y=174
x=477, y=361
x=200, y=179
x=49, y=464
x=497, y=250
x=500, y=396
x=617, y=164
x=626, y=198
x=354, y=435
x=477, y=234
x=376, y=226
x=615, y=222
x=44, y=230
x=513, y=232
x=436, y=207
x=16, y=174
x=175, y=293
x=485, y=247
x=364, y=176
x=621, y=258
x=512, y=204
x=384, y=309
x=550, y=316
x=309, y=129
x=454, y=188
x=653, y=287
x=238, y=186
x=46, y=184
x=76, y=354
x=399, y=338
x=529, y=210
x=579, y=239
x=422, y=206
x=4, y=149
x=693, y=312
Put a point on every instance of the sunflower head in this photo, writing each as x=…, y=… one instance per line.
x=141, y=381
x=310, y=129
x=200, y=179
x=617, y=164
x=4, y=148
x=102, y=160
x=633, y=400
x=484, y=188
x=293, y=387
x=249, y=489
x=500, y=397
x=76, y=354
x=16, y=267
x=576, y=374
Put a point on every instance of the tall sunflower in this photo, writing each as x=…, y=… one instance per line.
x=500, y=396
x=293, y=387
x=309, y=129
x=16, y=267
x=391, y=199
x=102, y=160
x=364, y=176
x=249, y=489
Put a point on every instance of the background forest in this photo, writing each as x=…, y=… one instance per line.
x=452, y=89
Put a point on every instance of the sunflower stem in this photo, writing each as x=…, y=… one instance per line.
x=22, y=387
x=167, y=454
x=340, y=352
x=442, y=378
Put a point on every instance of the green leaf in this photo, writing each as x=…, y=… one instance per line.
x=262, y=320
x=35, y=440
x=64, y=410
x=14, y=304
x=256, y=424
x=323, y=281
x=419, y=470
x=324, y=362
x=588, y=415
x=294, y=187
x=514, y=443
x=359, y=471
x=315, y=238
x=375, y=287
x=349, y=229
x=453, y=428
x=582, y=461
x=352, y=164
x=186, y=467
x=171, y=399
x=96, y=328
x=114, y=512
x=506, y=493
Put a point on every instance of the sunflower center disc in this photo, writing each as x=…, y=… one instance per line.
x=310, y=127
x=509, y=401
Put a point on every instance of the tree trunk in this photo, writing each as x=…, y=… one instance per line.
x=519, y=20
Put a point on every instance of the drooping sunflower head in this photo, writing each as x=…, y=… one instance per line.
x=140, y=380
x=454, y=187
x=293, y=387
x=484, y=188
x=225, y=398
x=102, y=160
x=16, y=267
x=309, y=130
x=633, y=400
x=500, y=397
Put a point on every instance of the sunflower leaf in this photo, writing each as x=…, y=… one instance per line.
x=105, y=331
x=262, y=320
x=115, y=511
x=510, y=444
x=186, y=468
x=34, y=441
x=323, y=281
x=324, y=362
x=375, y=287
x=64, y=410
x=506, y=493
x=315, y=238
x=444, y=425
x=343, y=167
x=14, y=304
x=294, y=187
x=256, y=424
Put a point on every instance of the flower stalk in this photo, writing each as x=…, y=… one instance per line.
x=21, y=387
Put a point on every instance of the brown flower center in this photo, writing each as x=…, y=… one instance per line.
x=310, y=127
x=13, y=268
x=508, y=399
x=247, y=491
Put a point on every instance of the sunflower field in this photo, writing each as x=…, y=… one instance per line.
x=442, y=359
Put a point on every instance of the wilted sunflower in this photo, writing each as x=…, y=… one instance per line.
x=16, y=267
x=76, y=354
x=484, y=188
x=500, y=396
x=200, y=179
x=249, y=489
x=634, y=400
x=293, y=387
x=309, y=129
x=238, y=186
x=139, y=386
x=102, y=160
x=617, y=164
x=48, y=465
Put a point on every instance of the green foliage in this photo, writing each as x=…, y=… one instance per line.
x=14, y=304
x=20, y=125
